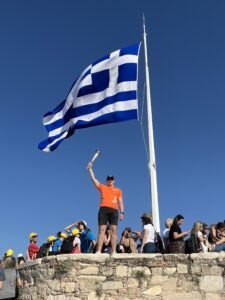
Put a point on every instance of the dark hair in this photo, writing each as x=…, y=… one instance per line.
x=205, y=226
x=177, y=218
x=59, y=234
x=19, y=259
x=146, y=221
x=220, y=225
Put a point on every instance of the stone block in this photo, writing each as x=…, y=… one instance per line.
x=158, y=279
x=183, y=296
x=133, y=293
x=156, y=271
x=196, y=269
x=56, y=297
x=170, y=284
x=89, y=271
x=210, y=296
x=132, y=282
x=170, y=271
x=112, y=285
x=182, y=269
x=121, y=271
x=153, y=291
x=70, y=287
x=144, y=270
x=216, y=270
x=211, y=283
x=107, y=271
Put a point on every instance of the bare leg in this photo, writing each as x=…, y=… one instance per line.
x=113, y=229
x=101, y=234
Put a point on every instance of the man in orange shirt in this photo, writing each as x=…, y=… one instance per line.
x=111, y=200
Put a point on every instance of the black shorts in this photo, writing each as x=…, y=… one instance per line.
x=107, y=215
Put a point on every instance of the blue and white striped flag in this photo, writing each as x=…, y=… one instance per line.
x=105, y=92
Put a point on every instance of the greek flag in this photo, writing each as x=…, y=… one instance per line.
x=105, y=92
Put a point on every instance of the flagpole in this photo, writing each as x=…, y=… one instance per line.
x=151, y=163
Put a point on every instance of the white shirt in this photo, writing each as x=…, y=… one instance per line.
x=150, y=233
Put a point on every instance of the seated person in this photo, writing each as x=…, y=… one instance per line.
x=205, y=245
x=217, y=237
x=128, y=241
x=166, y=231
x=20, y=259
x=106, y=247
x=176, y=236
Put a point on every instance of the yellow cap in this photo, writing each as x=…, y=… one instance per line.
x=63, y=235
x=51, y=238
x=9, y=252
x=32, y=234
x=75, y=231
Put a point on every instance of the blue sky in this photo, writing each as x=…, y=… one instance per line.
x=45, y=45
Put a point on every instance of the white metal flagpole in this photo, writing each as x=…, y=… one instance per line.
x=151, y=163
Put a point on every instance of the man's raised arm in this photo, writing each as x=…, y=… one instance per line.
x=92, y=175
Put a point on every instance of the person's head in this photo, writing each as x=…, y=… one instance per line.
x=110, y=180
x=63, y=236
x=58, y=234
x=178, y=220
x=169, y=222
x=9, y=253
x=33, y=236
x=82, y=225
x=197, y=226
x=205, y=228
x=127, y=232
x=9, y=262
x=146, y=219
x=51, y=239
x=220, y=227
x=20, y=259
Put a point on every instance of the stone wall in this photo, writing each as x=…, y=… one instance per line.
x=125, y=276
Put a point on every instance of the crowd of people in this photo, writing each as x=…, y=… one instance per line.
x=78, y=237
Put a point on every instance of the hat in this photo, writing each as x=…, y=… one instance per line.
x=20, y=255
x=63, y=234
x=128, y=229
x=83, y=222
x=51, y=238
x=146, y=216
x=32, y=234
x=110, y=177
x=75, y=231
x=9, y=252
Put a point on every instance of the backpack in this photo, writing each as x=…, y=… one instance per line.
x=67, y=245
x=192, y=245
x=159, y=242
x=43, y=250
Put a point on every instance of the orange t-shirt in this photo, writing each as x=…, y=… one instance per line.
x=109, y=196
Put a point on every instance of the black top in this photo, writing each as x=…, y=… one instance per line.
x=174, y=228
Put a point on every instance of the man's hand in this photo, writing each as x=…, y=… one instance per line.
x=89, y=166
x=121, y=216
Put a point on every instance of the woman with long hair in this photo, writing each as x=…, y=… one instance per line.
x=176, y=236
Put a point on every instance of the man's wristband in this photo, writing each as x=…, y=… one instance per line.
x=122, y=212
